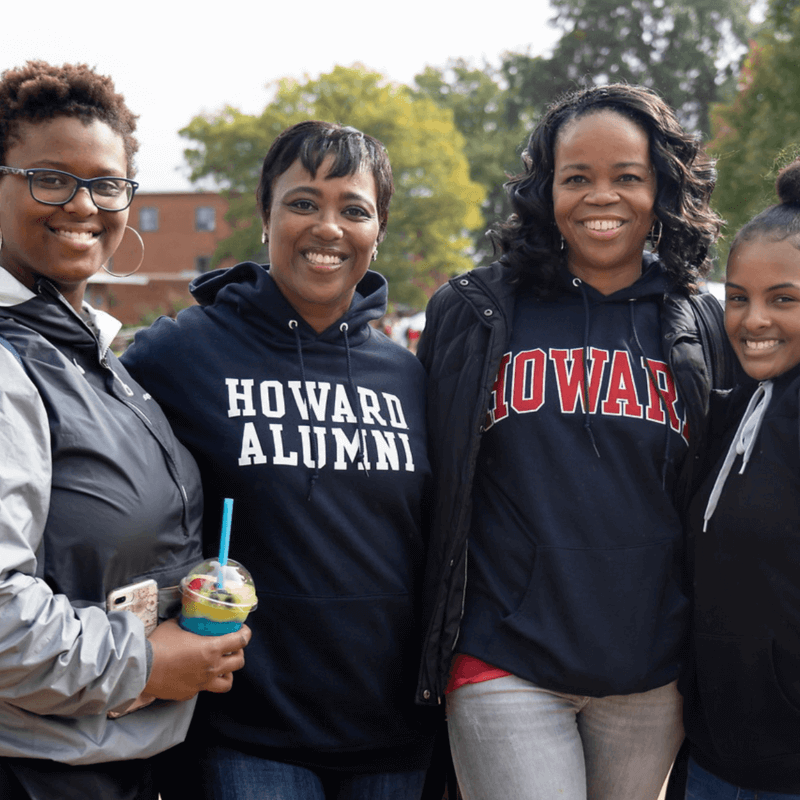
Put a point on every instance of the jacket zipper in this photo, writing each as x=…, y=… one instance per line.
x=102, y=353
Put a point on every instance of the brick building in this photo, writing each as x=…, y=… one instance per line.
x=180, y=231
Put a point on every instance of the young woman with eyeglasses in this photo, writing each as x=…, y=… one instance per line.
x=95, y=491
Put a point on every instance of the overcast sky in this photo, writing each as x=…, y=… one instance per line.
x=173, y=60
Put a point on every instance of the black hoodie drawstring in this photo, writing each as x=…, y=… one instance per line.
x=293, y=324
x=632, y=303
x=344, y=327
x=315, y=474
x=587, y=418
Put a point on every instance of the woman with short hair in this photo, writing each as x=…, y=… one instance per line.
x=313, y=422
x=96, y=494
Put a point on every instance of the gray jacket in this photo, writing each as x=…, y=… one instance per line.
x=95, y=493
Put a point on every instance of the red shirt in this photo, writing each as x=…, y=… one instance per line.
x=468, y=669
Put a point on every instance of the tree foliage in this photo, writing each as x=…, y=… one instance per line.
x=758, y=132
x=688, y=52
x=436, y=203
x=493, y=137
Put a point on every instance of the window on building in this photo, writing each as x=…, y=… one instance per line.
x=205, y=218
x=148, y=219
x=202, y=263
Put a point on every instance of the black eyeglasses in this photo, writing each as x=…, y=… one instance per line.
x=56, y=188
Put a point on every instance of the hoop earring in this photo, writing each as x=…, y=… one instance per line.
x=141, y=260
x=655, y=239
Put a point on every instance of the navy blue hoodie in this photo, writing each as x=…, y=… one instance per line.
x=575, y=579
x=320, y=441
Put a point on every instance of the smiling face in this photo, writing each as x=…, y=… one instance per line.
x=69, y=243
x=762, y=306
x=322, y=233
x=604, y=189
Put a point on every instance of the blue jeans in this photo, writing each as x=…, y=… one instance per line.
x=232, y=775
x=702, y=785
x=511, y=739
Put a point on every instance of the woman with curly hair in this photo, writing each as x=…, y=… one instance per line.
x=568, y=387
x=96, y=494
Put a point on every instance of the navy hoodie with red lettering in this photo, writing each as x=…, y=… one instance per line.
x=319, y=438
x=575, y=579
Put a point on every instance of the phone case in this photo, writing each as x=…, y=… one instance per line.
x=140, y=598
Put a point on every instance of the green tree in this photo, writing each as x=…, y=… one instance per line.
x=758, y=132
x=493, y=137
x=688, y=52
x=435, y=205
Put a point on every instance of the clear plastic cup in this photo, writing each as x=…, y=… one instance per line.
x=210, y=610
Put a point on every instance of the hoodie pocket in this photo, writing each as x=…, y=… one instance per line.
x=608, y=620
x=745, y=708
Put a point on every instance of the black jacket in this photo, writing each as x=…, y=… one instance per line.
x=467, y=332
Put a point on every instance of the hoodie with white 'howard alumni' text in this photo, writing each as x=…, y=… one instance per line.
x=319, y=438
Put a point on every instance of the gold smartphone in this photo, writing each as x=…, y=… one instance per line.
x=140, y=598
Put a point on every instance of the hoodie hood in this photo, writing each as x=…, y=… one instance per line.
x=249, y=288
x=652, y=283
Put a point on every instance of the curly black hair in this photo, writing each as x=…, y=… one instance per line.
x=40, y=91
x=781, y=221
x=310, y=142
x=530, y=240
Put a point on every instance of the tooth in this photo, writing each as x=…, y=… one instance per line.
x=324, y=258
x=602, y=225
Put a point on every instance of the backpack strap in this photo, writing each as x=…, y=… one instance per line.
x=717, y=352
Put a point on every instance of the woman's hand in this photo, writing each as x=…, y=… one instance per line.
x=185, y=663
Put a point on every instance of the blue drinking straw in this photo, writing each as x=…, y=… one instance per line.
x=224, y=538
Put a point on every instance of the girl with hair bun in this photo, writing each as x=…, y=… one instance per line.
x=742, y=694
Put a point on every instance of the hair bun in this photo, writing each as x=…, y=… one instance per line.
x=788, y=183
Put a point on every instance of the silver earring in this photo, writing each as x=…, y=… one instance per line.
x=375, y=254
x=263, y=237
x=141, y=260
x=655, y=238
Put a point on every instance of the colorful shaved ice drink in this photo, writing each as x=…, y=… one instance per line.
x=214, y=600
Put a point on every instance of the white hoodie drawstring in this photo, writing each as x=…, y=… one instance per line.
x=743, y=442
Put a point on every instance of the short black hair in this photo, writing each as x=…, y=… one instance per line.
x=311, y=142
x=685, y=178
x=41, y=92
